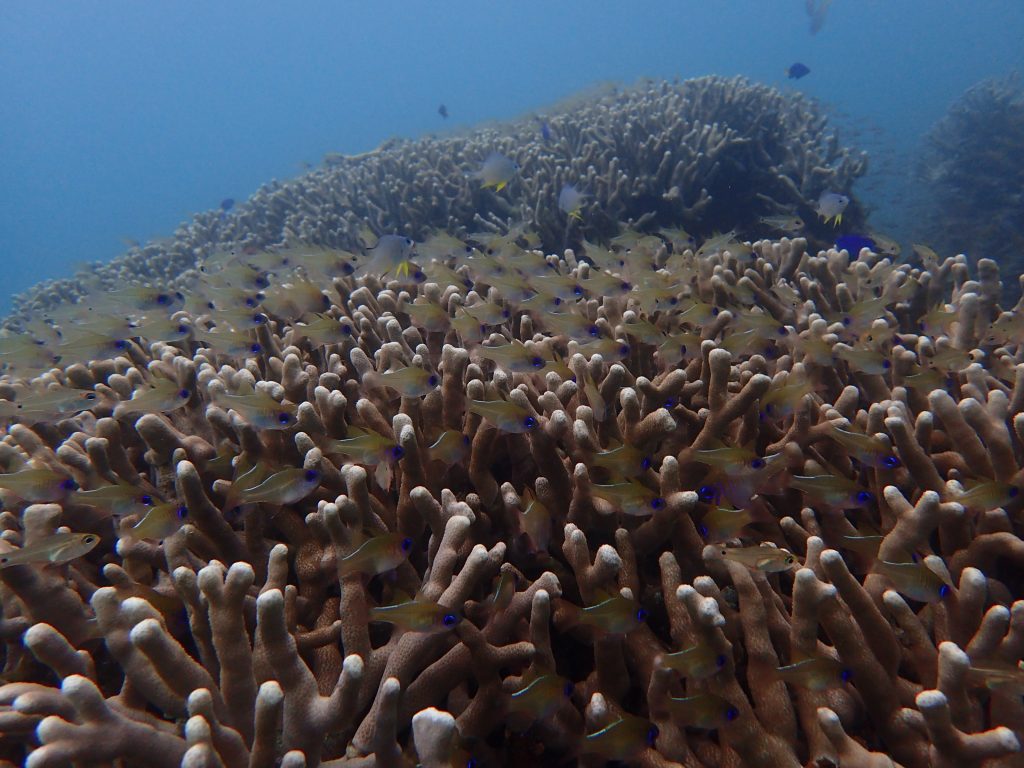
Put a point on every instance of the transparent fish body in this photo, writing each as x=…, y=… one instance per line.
x=409, y=381
x=324, y=330
x=259, y=409
x=762, y=558
x=621, y=740
x=914, y=580
x=37, y=485
x=631, y=497
x=705, y=711
x=722, y=523
x=504, y=414
x=535, y=520
x=57, y=548
x=988, y=495
x=365, y=446
x=624, y=460
x=377, y=555
x=867, y=449
x=833, y=490
x=514, y=357
x=427, y=315
x=120, y=499
x=163, y=396
x=696, y=663
x=416, y=616
x=617, y=615
x=542, y=697
x=816, y=674
x=285, y=487
x=161, y=521
x=451, y=447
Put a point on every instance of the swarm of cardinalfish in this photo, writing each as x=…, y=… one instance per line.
x=641, y=312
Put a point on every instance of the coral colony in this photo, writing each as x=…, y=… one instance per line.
x=404, y=463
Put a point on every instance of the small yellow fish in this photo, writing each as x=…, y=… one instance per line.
x=514, y=357
x=38, y=485
x=762, y=558
x=120, y=499
x=377, y=555
x=816, y=674
x=867, y=361
x=833, y=490
x=617, y=615
x=324, y=330
x=163, y=396
x=705, y=711
x=631, y=497
x=497, y=171
x=987, y=495
x=1007, y=680
x=624, y=460
x=258, y=409
x=427, y=315
x=625, y=738
x=160, y=521
x=788, y=224
x=535, y=521
x=451, y=447
x=416, y=616
x=721, y=523
x=365, y=446
x=867, y=449
x=697, y=663
x=504, y=414
x=542, y=697
x=285, y=487
x=409, y=381
x=58, y=548
x=915, y=580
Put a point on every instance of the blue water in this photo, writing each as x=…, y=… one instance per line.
x=121, y=118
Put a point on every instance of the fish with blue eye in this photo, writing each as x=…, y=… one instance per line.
x=365, y=446
x=258, y=409
x=818, y=673
x=38, y=485
x=120, y=499
x=762, y=558
x=376, y=555
x=504, y=414
x=914, y=580
x=160, y=521
x=496, y=171
x=625, y=460
x=987, y=495
x=867, y=449
x=853, y=244
x=797, y=70
x=833, y=490
x=542, y=697
x=416, y=616
x=285, y=487
x=408, y=381
x=514, y=357
x=162, y=396
x=616, y=615
x=631, y=497
x=696, y=663
x=722, y=523
x=705, y=711
x=621, y=740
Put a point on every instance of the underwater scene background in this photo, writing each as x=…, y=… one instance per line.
x=122, y=121
x=538, y=384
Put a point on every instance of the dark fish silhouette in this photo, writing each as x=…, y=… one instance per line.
x=797, y=70
x=227, y=204
x=443, y=111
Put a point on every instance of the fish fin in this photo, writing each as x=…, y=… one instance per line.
x=500, y=186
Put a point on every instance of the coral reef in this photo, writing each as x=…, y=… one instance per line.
x=972, y=178
x=705, y=154
x=758, y=506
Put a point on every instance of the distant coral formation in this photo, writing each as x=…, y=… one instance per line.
x=974, y=176
x=705, y=154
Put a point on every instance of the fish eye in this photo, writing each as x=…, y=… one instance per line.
x=847, y=321
x=626, y=286
x=146, y=499
x=68, y=484
x=577, y=291
x=657, y=502
x=645, y=463
x=624, y=350
x=432, y=381
x=702, y=530
x=529, y=422
x=184, y=394
x=706, y=493
x=182, y=512
x=757, y=463
x=259, y=318
x=673, y=301
x=120, y=344
x=182, y=328
x=347, y=269
x=781, y=330
x=406, y=544
x=311, y=475
x=652, y=734
x=450, y=620
x=720, y=660
x=505, y=313
x=465, y=440
x=845, y=675
x=284, y=417
x=210, y=305
x=418, y=276
x=886, y=365
x=944, y=590
x=4, y=559
x=90, y=396
x=1012, y=491
x=255, y=347
x=408, y=241
x=641, y=614
x=890, y=462
x=163, y=298
x=537, y=362
x=346, y=329
x=557, y=301
x=594, y=331
x=567, y=689
x=397, y=452
x=261, y=282
x=250, y=301
x=790, y=560
x=863, y=497
x=731, y=713
x=89, y=539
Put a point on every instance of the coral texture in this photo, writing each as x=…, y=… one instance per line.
x=755, y=507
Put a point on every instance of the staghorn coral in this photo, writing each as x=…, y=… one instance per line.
x=242, y=634
x=708, y=153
